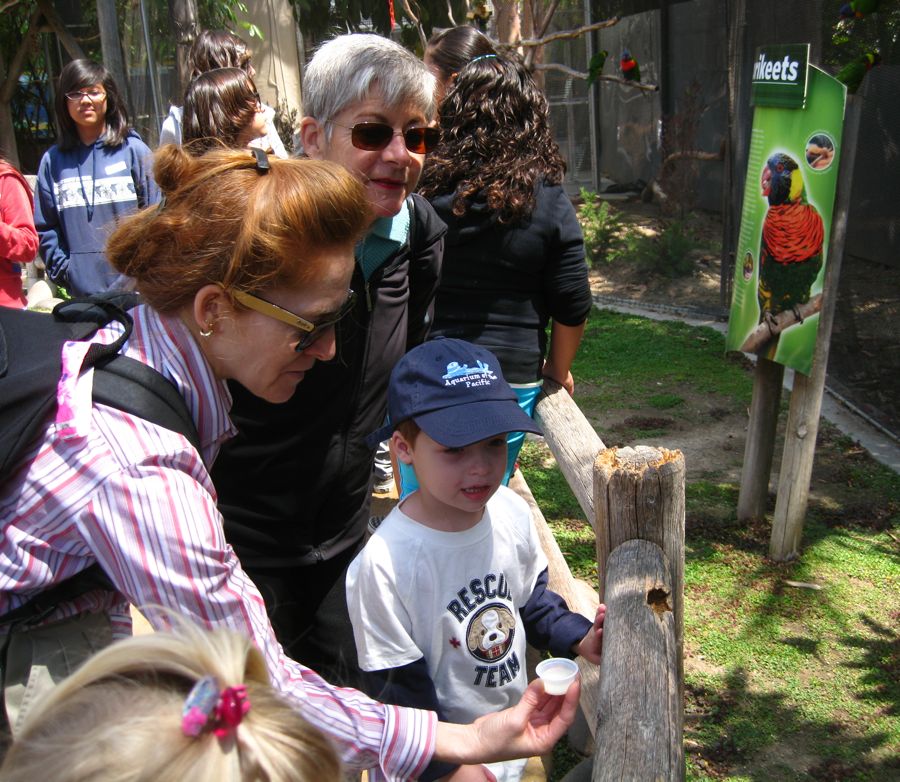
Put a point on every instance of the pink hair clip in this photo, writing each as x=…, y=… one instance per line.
x=206, y=708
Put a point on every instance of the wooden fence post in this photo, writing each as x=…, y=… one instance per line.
x=640, y=711
x=639, y=493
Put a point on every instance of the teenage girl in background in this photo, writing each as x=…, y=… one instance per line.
x=98, y=172
x=18, y=238
x=222, y=107
x=221, y=49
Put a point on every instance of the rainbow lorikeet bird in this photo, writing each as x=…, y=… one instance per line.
x=631, y=71
x=793, y=234
x=857, y=9
x=853, y=72
x=595, y=66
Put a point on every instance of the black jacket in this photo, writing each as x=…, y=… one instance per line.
x=294, y=485
x=501, y=284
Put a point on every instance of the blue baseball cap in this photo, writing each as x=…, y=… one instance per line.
x=456, y=394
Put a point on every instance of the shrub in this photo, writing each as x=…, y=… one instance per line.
x=668, y=253
x=602, y=227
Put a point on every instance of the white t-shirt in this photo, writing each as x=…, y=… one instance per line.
x=452, y=598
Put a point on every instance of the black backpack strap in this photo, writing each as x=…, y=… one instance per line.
x=122, y=382
x=133, y=387
x=93, y=312
x=413, y=222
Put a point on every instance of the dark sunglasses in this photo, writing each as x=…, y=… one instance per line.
x=312, y=330
x=375, y=136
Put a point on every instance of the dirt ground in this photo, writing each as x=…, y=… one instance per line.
x=710, y=435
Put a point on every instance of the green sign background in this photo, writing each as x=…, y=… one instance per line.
x=777, y=92
x=788, y=131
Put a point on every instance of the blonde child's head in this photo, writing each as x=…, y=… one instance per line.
x=120, y=717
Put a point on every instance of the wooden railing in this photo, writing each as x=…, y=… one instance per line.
x=634, y=500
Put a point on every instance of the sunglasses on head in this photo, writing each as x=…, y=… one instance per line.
x=375, y=136
x=312, y=331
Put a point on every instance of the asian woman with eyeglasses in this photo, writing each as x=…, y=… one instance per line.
x=98, y=171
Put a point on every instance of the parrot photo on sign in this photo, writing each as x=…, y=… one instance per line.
x=790, y=255
x=631, y=71
x=857, y=9
x=853, y=72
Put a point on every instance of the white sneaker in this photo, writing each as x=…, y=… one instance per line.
x=384, y=486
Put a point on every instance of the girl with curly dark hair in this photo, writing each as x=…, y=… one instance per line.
x=514, y=252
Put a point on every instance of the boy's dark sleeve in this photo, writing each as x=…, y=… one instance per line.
x=410, y=685
x=549, y=624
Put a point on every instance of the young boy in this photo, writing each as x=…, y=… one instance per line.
x=445, y=592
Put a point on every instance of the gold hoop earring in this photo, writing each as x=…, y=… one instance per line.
x=208, y=331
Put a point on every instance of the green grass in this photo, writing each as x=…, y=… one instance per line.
x=629, y=357
x=782, y=683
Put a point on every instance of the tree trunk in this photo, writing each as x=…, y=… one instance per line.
x=508, y=21
x=8, y=81
x=735, y=143
x=640, y=713
x=183, y=18
x=111, y=46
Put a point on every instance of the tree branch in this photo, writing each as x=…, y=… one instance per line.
x=558, y=36
x=17, y=63
x=409, y=12
x=767, y=330
x=555, y=66
x=545, y=22
x=65, y=37
x=4, y=7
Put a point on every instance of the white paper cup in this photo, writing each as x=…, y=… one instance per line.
x=557, y=674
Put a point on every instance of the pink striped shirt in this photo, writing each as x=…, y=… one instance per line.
x=104, y=486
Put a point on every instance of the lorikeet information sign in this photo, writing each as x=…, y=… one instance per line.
x=785, y=224
x=780, y=76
